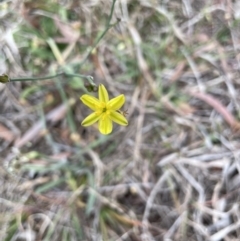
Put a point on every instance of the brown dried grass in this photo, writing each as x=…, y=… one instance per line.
x=173, y=173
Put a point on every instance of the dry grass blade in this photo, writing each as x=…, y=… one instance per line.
x=53, y=116
x=141, y=61
x=150, y=201
x=178, y=72
x=224, y=232
x=177, y=31
x=229, y=118
x=70, y=34
x=172, y=173
x=6, y=134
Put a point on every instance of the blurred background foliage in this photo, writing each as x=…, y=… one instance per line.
x=172, y=173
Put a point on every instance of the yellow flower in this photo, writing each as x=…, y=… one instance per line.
x=105, y=110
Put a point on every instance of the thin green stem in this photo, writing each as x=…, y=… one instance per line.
x=34, y=78
x=111, y=13
x=108, y=26
x=5, y=78
x=87, y=77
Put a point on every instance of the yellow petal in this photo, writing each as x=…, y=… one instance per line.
x=91, y=119
x=103, y=94
x=105, y=125
x=91, y=102
x=116, y=103
x=118, y=118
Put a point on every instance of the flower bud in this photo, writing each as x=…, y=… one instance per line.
x=4, y=78
x=90, y=87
